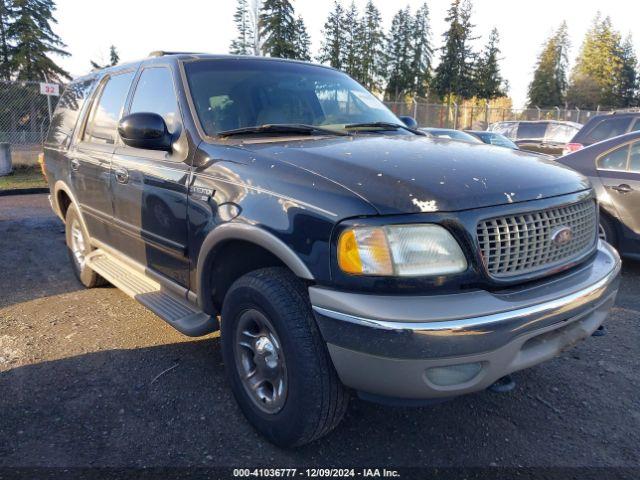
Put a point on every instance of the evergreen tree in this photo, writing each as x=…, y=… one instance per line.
x=400, y=56
x=6, y=15
x=302, y=41
x=34, y=41
x=627, y=82
x=333, y=38
x=549, y=84
x=422, y=51
x=488, y=81
x=351, y=49
x=371, y=39
x=598, y=66
x=114, y=59
x=243, y=43
x=454, y=74
x=278, y=28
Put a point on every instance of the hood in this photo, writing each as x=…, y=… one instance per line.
x=410, y=174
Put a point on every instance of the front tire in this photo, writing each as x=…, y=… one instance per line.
x=78, y=247
x=607, y=232
x=276, y=361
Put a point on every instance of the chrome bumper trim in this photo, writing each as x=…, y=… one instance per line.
x=484, y=321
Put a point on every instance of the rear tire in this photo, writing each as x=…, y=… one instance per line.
x=269, y=310
x=78, y=247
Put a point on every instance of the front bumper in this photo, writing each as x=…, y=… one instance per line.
x=391, y=346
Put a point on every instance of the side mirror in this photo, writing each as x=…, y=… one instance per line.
x=145, y=130
x=409, y=121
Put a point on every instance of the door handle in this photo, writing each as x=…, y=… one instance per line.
x=75, y=164
x=622, y=188
x=122, y=175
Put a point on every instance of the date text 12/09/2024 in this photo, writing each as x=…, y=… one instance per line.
x=315, y=473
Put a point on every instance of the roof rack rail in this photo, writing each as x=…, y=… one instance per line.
x=627, y=110
x=162, y=53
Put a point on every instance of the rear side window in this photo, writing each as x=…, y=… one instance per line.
x=614, y=160
x=155, y=94
x=634, y=158
x=636, y=125
x=558, y=132
x=607, y=128
x=508, y=129
x=66, y=115
x=531, y=131
x=107, y=111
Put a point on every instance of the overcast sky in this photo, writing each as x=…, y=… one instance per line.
x=138, y=27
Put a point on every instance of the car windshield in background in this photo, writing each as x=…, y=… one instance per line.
x=497, y=139
x=230, y=95
x=451, y=134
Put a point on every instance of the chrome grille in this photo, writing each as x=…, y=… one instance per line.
x=518, y=244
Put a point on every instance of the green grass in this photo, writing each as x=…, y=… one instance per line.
x=23, y=177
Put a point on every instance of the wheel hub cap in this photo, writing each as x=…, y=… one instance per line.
x=260, y=361
x=77, y=243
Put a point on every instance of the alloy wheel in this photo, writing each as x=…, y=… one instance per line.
x=77, y=243
x=260, y=361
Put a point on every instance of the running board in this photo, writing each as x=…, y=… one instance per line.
x=176, y=311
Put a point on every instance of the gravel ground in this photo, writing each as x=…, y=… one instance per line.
x=90, y=378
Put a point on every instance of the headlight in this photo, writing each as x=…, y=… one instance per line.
x=400, y=250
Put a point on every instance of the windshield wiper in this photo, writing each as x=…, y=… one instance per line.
x=283, y=128
x=382, y=126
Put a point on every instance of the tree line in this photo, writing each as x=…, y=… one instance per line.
x=605, y=72
x=397, y=63
x=27, y=40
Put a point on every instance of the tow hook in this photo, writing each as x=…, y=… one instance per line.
x=503, y=385
x=601, y=331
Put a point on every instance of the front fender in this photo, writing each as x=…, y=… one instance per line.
x=247, y=233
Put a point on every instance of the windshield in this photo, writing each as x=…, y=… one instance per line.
x=499, y=140
x=452, y=134
x=231, y=93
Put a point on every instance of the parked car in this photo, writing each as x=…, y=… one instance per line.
x=493, y=138
x=451, y=134
x=602, y=127
x=342, y=250
x=543, y=136
x=613, y=166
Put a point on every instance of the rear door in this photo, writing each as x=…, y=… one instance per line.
x=150, y=187
x=90, y=157
x=619, y=171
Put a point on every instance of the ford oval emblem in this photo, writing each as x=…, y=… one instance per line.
x=561, y=235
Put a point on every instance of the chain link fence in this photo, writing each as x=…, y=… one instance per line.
x=24, y=119
x=471, y=117
x=25, y=115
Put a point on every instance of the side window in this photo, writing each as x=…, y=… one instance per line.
x=107, y=110
x=615, y=160
x=634, y=158
x=155, y=94
x=557, y=132
x=66, y=114
x=532, y=131
x=636, y=125
x=608, y=128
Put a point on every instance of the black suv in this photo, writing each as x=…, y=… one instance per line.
x=338, y=249
x=603, y=127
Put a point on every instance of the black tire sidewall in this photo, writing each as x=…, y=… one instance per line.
x=286, y=426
